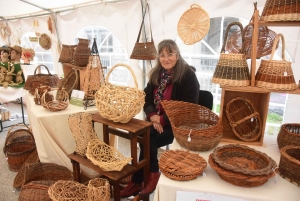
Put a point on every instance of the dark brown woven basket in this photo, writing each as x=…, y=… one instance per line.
x=181, y=165
x=243, y=159
x=82, y=53
x=68, y=83
x=67, y=52
x=289, y=134
x=289, y=165
x=239, y=179
x=281, y=10
x=39, y=91
x=36, y=191
x=20, y=177
x=194, y=126
x=244, y=119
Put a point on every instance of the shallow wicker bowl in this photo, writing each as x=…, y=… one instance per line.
x=181, y=165
x=243, y=159
x=289, y=134
x=194, y=127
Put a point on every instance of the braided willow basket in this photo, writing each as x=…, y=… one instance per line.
x=181, y=165
x=81, y=126
x=119, y=103
x=36, y=191
x=193, y=25
x=194, y=127
x=289, y=165
x=243, y=159
x=56, y=105
x=276, y=74
x=289, y=134
x=281, y=10
x=106, y=157
x=244, y=119
x=239, y=179
x=99, y=189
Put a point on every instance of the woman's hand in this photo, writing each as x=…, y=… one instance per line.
x=158, y=127
x=155, y=119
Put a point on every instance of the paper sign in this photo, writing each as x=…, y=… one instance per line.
x=197, y=196
x=77, y=98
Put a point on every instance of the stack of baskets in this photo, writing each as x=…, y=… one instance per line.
x=194, y=126
x=242, y=166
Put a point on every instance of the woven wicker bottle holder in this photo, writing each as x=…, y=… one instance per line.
x=119, y=103
x=276, y=74
x=232, y=69
x=193, y=25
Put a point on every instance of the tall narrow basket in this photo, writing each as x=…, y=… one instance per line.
x=289, y=134
x=194, y=126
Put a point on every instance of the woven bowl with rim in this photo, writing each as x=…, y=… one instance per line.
x=289, y=134
x=194, y=126
x=181, y=165
x=243, y=159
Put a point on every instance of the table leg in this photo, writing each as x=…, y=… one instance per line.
x=76, y=171
x=22, y=109
x=116, y=187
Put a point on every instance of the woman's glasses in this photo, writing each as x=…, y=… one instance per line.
x=169, y=56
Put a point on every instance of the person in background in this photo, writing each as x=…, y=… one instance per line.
x=27, y=55
x=171, y=79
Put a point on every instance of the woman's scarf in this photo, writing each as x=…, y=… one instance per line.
x=165, y=79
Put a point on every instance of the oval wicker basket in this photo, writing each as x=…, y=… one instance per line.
x=243, y=159
x=119, y=103
x=194, y=127
x=193, y=25
x=45, y=41
x=289, y=134
x=289, y=165
x=244, y=119
x=36, y=191
x=181, y=165
x=56, y=105
x=106, y=157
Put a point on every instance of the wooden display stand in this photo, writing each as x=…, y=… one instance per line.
x=259, y=96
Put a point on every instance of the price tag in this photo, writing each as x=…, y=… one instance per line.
x=285, y=73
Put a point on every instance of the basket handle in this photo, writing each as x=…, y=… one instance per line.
x=8, y=132
x=242, y=50
x=275, y=45
x=126, y=66
x=39, y=66
x=195, y=6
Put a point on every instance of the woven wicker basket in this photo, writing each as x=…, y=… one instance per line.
x=276, y=74
x=81, y=53
x=243, y=159
x=36, y=191
x=194, y=127
x=239, y=179
x=39, y=91
x=289, y=134
x=45, y=41
x=244, y=119
x=281, y=10
x=181, y=165
x=119, y=103
x=68, y=83
x=193, y=25
x=99, y=189
x=56, y=105
x=289, y=165
x=106, y=157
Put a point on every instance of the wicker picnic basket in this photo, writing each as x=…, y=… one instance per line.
x=20, y=177
x=99, y=189
x=289, y=165
x=193, y=25
x=181, y=165
x=276, y=74
x=56, y=105
x=68, y=83
x=119, y=103
x=281, y=10
x=242, y=159
x=289, y=134
x=68, y=190
x=194, y=126
x=106, y=157
x=239, y=179
x=244, y=119
x=36, y=191
x=232, y=69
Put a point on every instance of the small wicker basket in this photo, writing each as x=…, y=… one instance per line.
x=194, y=127
x=56, y=105
x=289, y=134
x=106, y=157
x=181, y=165
x=99, y=189
x=36, y=191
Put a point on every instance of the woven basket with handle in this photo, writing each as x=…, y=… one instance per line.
x=56, y=105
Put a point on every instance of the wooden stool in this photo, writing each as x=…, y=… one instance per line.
x=136, y=131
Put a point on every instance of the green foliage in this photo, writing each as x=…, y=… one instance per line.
x=274, y=118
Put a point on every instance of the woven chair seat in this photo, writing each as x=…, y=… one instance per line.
x=289, y=134
x=181, y=165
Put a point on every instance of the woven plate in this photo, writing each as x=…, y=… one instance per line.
x=193, y=25
x=181, y=165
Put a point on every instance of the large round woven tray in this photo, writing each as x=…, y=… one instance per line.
x=36, y=191
x=243, y=159
x=244, y=119
x=239, y=179
x=181, y=165
x=193, y=25
x=194, y=127
x=289, y=165
x=289, y=134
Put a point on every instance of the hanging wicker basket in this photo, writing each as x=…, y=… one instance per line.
x=289, y=134
x=45, y=41
x=193, y=25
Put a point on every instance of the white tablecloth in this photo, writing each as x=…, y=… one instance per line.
x=52, y=134
x=10, y=94
x=282, y=190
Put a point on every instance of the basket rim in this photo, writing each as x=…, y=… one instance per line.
x=284, y=153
